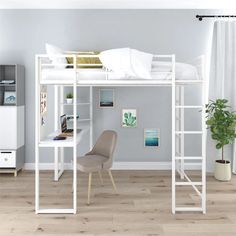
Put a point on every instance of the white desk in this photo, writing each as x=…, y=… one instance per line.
x=59, y=145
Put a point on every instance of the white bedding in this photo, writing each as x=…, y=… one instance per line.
x=122, y=63
x=127, y=62
x=160, y=71
x=183, y=71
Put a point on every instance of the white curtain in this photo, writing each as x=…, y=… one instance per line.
x=222, y=82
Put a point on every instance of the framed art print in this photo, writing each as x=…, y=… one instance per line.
x=129, y=118
x=151, y=137
x=43, y=102
x=10, y=98
x=106, y=98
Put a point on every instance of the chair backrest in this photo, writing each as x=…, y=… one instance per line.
x=105, y=146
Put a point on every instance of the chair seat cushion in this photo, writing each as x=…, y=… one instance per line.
x=91, y=163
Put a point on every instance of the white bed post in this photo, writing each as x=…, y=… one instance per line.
x=74, y=138
x=177, y=127
x=203, y=137
x=37, y=132
x=173, y=133
x=56, y=149
x=61, y=112
x=182, y=142
x=91, y=117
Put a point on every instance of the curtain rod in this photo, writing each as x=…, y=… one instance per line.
x=200, y=17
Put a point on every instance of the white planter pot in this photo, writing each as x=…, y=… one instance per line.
x=223, y=171
x=69, y=100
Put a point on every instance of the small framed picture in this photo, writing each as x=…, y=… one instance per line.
x=106, y=98
x=151, y=137
x=43, y=102
x=9, y=98
x=129, y=118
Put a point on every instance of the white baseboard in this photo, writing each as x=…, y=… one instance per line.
x=141, y=166
x=117, y=166
x=45, y=166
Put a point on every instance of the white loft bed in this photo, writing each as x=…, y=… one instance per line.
x=59, y=76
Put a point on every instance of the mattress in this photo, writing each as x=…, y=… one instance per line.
x=160, y=71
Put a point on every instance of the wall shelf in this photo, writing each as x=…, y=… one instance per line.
x=6, y=85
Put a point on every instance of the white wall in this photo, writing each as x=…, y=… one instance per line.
x=23, y=33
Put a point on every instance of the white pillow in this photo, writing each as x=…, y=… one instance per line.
x=53, y=50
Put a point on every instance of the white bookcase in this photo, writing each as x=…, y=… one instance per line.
x=12, y=118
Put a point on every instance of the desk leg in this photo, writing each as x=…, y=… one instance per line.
x=56, y=164
x=61, y=171
x=58, y=172
x=74, y=181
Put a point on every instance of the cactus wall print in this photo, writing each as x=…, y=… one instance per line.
x=129, y=118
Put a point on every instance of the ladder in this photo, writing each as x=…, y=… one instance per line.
x=179, y=160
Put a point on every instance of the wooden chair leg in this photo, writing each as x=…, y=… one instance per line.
x=100, y=176
x=89, y=187
x=112, y=180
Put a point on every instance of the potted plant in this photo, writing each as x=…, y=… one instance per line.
x=69, y=98
x=221, y=122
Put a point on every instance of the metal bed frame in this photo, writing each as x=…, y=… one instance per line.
x=178, y=132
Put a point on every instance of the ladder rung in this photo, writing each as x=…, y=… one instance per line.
x=188, y=209
x=189, y=183
x=188, y=158
x=200, y=107
x=188, y=132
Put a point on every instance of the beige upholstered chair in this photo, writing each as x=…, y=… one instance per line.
x=99, y=158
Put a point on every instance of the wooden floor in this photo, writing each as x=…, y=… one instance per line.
x=142, y=207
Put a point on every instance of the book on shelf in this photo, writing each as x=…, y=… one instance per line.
x=7, y=81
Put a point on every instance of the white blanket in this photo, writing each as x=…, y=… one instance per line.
x=127, y=62
x=182, y=70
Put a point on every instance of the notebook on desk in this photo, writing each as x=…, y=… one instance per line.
x=65, y=132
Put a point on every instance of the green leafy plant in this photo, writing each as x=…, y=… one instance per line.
x=221, y=122
x=69, y=95
x=129, y=119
